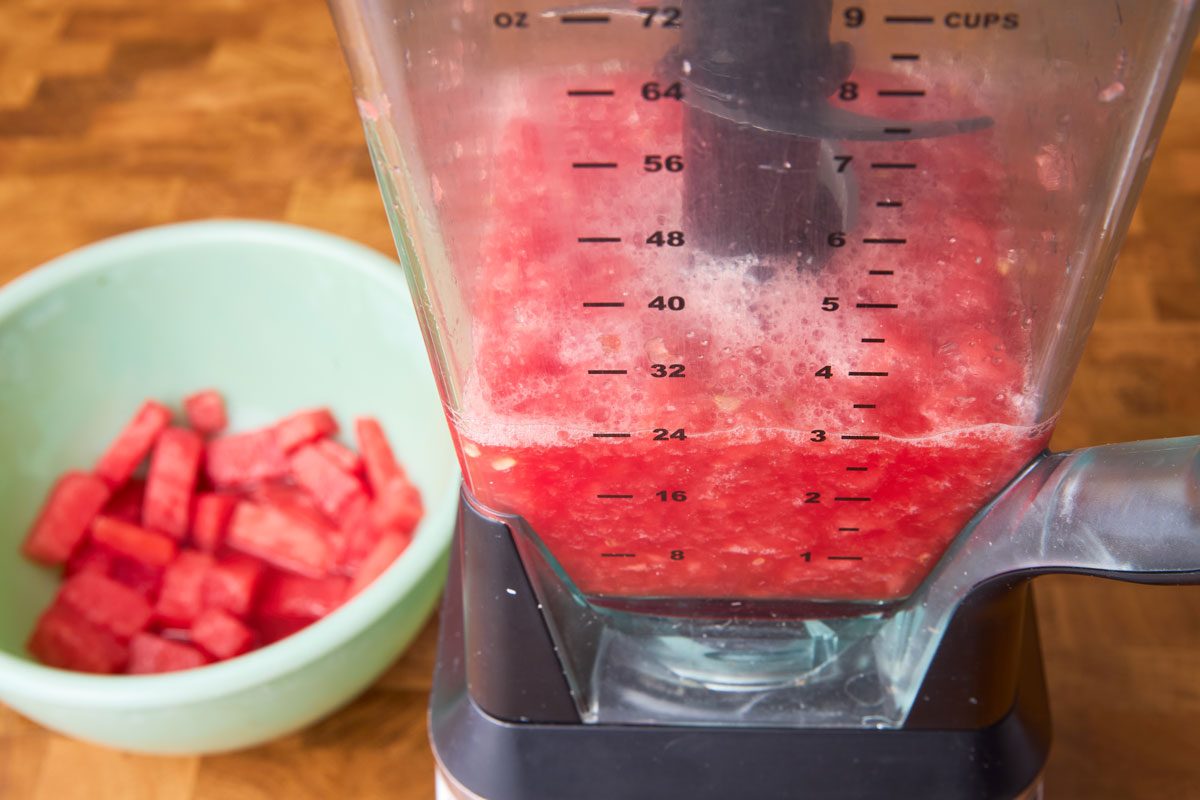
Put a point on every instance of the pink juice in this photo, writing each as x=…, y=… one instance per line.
x=672, y=424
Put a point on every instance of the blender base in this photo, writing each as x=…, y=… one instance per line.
x=503, y=726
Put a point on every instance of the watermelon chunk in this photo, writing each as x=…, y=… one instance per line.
x=106, y=603
x=297, y=597
x=346, y=459
x=246, y=459
x=397, y=506
x=232, y=583
x=126, y=503
x=211, y=519
x=221, y=634
x=70, y=507
x=289, y=541
x=149, y=654
x=377, y=454
x=205, y=411
x=320, y=476
x=133, y=443
x=172, y=478
x=142, y=578
x=66, y=640
x=387, y=550
x=180, y=600
x=304, y=427
x=89, y=557
x=145, y=547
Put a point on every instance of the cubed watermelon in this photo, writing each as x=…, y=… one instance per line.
x=246, y=459
x=304, y=427
x=291, y=500
x=142, y=578
x=331, y=487
x=205, y=411
x=221, y=634
x=150, y=654
x=360, y=535
x=181, y=598
x=126, y=503
x=133, y=443
x=105, y=602
x=70, y=507
x=286, y=540
x=172, y=479
x=89, y=557
x=210, y=519
x=381, y=464
x=66, y=640
x=145, y=547
x=397, y=506
x=386, y=551
x=338, y=453
x=232, y=584
x=297, y=597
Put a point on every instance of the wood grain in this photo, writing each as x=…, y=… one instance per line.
x=119, y=114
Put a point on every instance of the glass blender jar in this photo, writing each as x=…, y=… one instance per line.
x=752, y=322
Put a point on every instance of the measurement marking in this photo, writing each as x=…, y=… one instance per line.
x=864, y=405
x=881, y=272
x=608, y=372
x=585, y=19
x=876, y=305
x=594, y=165
x=844, y=558
x=889, y=203
x=897, y=131
x=603, y=305
x=878, y=240
x=908, y=20
x=615, y=496
x=859, y=437
x=611, y=435
x=856, y=469
x=893, y=165
x=598, y=239
x=590, y=92
x=848, y=530
x=873, y=341
x=852, y=499
x=618, y=555
x=868, y=374
x=901, y=92
x=906, y=57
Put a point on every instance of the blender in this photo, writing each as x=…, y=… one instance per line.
x=752, y=322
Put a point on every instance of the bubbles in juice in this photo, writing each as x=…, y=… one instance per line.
x=673, y=424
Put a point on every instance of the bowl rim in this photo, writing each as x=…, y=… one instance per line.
x=33, y=681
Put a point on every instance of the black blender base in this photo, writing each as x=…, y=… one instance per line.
x=495, y=653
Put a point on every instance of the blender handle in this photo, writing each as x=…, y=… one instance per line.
x=1128, y=511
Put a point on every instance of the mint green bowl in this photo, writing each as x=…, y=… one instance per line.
x=278, y=318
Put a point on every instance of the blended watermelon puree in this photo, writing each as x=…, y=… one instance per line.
x=765, y=496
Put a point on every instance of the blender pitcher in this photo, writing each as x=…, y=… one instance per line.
x=752, y=322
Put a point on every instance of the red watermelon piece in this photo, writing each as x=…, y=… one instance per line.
x=210, y=520
x=376, y=453
x=221, y=634
x=205, y=411
x=66, y=640
x=180, y=600
x=289, y=541
x=172, y=479
x=64, y=519
x=106, y=603
x=387, y=550
x=303, y=427
x=331, y=487
x=232, y=583
x=246, y=459
x=89, y=557
x=346, y=459
x=133, y=443
x=150, y=654
x=298, y=597
x=397, y=506
x=126, y=503
x=145, y=547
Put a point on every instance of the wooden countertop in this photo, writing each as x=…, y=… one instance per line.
x=119, y=114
